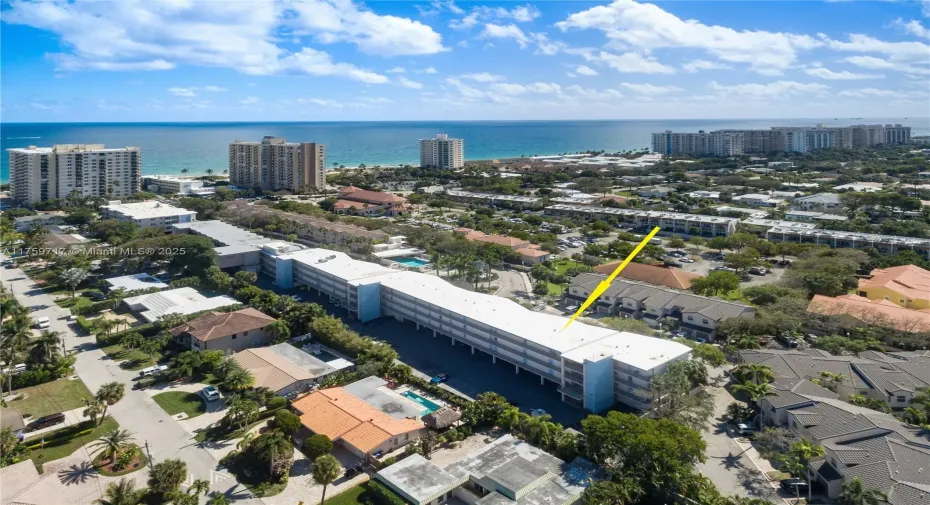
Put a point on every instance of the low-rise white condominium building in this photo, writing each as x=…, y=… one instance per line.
x=595, y=367
x=675, y=222
x=517, y=201
x=171, y=185
x=442, y=152
x=148, y=214
x=39, y=174
x=275, y=164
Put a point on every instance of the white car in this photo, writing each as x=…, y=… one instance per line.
x=686, y=260
x=210, y=393
x=152, y=370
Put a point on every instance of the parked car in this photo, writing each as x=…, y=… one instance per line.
x=210, y=393
x=152, y=370
x=685, y=260
x=745, y=430
x=794, y=486
x=352, y=472
x=788, y=341
x=538, y=412
x=758, y=271
x=96, y=296
x=46, y=421
x=439, y=378
x=42, y=323
x=672, y=263
x=678, y=254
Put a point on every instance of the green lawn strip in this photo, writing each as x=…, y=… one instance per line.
x=175, y=402
x=50, y=398
x=350, y=496
x=134, y=359
x=562, y=266
x=61, y=447
x=140, y=464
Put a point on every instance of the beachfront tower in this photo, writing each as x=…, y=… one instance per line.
x=442, y=152
x=275, y=164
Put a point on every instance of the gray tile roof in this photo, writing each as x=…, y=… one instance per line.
x=665, y=298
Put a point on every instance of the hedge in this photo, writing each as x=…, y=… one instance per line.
x=146, y=330
x=85, y=324
x=31, y=378
x=94, y=307
x=382, y=495
x=72, y=431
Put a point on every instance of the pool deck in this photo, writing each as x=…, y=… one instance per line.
x=403, y=390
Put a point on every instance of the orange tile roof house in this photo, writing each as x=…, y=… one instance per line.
x=529, y=253
x=226, y=331
x=659, y=275
x=362, y=416
x=905, y=285
x=876, y=312
x=354, y=200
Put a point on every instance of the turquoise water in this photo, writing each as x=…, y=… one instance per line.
x=168, y=148
x=430, y=406
x=411, y=262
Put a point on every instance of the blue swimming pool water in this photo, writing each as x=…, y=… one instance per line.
x=430, y=406
x=411, y=262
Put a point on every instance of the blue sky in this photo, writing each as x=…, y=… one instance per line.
x=268, y=60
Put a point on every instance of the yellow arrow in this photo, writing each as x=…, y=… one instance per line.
x=604, y=284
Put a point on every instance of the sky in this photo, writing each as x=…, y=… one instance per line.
x=334, y=60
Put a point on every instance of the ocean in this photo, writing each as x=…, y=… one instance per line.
x=168, y=148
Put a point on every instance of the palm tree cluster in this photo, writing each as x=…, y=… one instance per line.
x=44, y=355
x=107, y=395
x=754, y=380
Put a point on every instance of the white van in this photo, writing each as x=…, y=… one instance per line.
x=42, y=323
x=152, y=370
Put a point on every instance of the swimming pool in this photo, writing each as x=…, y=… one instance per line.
x=430, y=406
x=411, y=262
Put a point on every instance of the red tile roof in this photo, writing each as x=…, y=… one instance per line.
x=363, y=195
x=659, y=275
x=876, y=312
x=220, y=324
x=909, y=280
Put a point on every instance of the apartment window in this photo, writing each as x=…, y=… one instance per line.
x=407, y=436
x=704, y=321
x=690, y=318
x=395, y=441
x=900, y=399
x=234, y=336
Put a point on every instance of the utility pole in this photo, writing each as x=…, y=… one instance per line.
x=149, y=454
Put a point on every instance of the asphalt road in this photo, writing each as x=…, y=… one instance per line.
x=137, y=411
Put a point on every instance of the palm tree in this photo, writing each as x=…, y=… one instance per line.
x=73, y=277
x=113, y=443
x=150, y=346
x=239, y=379
x=509, y=418
x=47, y=345
x=117, y=295
x=805, y=452
x=199, y=486
x=756, y=392
x=93, y=409
x=179, y=498
x=217, y=498
x=184, y=170
x=208, y=171
x=166, y=476
x=855, y=494
x=109, y=394
x=754, y=372
x=275, y=447
x=123, y=492
x=914, y=415
x=242, y=411
x=245, y=441
x=279, y=331
x=831, y=380
x=325, y=470
x=747, y=342
x=224, y=368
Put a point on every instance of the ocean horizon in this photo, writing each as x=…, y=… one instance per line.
x=169, y=147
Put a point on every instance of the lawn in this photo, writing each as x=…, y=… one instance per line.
x=349, y=496
x=175, y=402
x=52, y=397
x=555, y=289
x=562, y=266
x=75, y=303
x=134, y=358
x=60, y=448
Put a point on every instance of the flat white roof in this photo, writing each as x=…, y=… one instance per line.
x=501, y=313
x=135, y=281
x=340, y=265
x=176, y=301
x=225, y=233
x=147, y=209
x=640, y=351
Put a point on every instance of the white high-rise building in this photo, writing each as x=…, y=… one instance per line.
x=275, y=164
x=442, y=152
x=39, y=174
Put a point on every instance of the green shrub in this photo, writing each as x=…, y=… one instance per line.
x=276, y=403
x=94, y=308
x=85, y=324
x=382, y=495
x=316, y=446
x=286, y=421
x=31, y=378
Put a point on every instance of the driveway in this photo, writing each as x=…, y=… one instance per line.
x=302, y=489
x=136, y=411
x=733, y=468
x=512, y=284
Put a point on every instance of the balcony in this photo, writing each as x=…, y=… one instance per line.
x=570, y=389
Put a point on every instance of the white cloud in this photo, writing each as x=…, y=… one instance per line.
x=844, y=75
x=585, y=70
x=914, y=27
x=900, y=52
x=547, y=46
x=647, y=27
x=343, y=21
x=631, y=63
x=250, y=100
x=649, y=89
x=322, y=102
x=138, y=35
x=213, y=88
x=111, y=106
x=519, y=14
x=183, y=92
x=483, y=77
x=569, y=74
x=428, y=70
x=397, y=70
x=697, y=65
x=777, y=89
x=407, y=83
x=510, y=31
x=869, y=92
x=875, y=63
x=508, y=88
x=313, y=62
